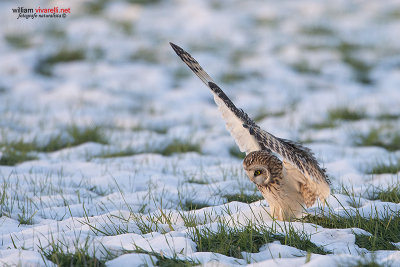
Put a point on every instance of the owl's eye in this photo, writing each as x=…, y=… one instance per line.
x=257, y=173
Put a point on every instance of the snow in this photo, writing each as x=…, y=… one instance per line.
x=137, y=90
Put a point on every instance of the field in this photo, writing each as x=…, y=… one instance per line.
x=112, y=153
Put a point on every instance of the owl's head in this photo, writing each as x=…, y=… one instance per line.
x=257, y=166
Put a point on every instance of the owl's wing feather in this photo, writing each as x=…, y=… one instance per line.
x=234, y=118
x=250, y=137
x=192, y=64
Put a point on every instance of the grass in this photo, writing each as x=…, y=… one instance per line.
x=231, y=241
x=265, y=114
x=384, y=230
x=78, y=136
x=304, y=67
x=145, y=55
x=181, y=74
x=20, y=151
x=163, y=261
x=361, y=70
x=88, y=134
x=172, y=262
x=11, y=157
x=80, y=257
x=242, y=197
x=18, y=41
x=391, y=194
x=323, y=125
x=391, y=167
x=196, y=181
x=144, y=2
x=376, y=137
x=190, y=205
x=235, y=152
x=388, y=116
x=45, y=65
x=232, y=77
x=367, y=264
x=178, y=146
x=346, y=114
x=319, y=30
x=365, y=261
x=95, y=7
x=372, y=243
x=25, y=218
x=349, y=53
x=124, y=153
x=339, y=114
x=266, y=22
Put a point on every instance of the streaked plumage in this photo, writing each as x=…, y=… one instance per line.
x=300, y=180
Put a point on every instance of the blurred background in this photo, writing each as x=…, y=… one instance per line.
x=319, y=72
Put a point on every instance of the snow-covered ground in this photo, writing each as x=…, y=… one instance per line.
x=287, y=63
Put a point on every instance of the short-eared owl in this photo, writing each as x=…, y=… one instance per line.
x=287, y=174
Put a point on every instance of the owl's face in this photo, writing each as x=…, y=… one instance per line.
x=258, y=166
x=258, y=174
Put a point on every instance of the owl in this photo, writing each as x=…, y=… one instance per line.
x=287, y=174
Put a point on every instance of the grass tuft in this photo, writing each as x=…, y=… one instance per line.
x=339, y=114
x=78, y=136
x=25, y=218
x=361, y=70
x=144, y=2
x=124, y=153
x=18, y=41
x=235, y=152
x=373, y=243
x=163, y=261
x=265, y=114
x=11, y=157
x=190, y=205
x=232, y=77
x=319, y=30
x=383, y=227
x=367, y=264
x=242, y=197
x=196, y=181
x=231, y=241
x=344, y=113
x=379, y=168
x=375, y=137
x=391, y=194
x=44, y=66
x=305, y=67
x=145, y=55
x=80, y=257
x=88, y=134
x=324, y=125
x=20, y=151
x=95, y=7
x=388, y=116
x=178, y=146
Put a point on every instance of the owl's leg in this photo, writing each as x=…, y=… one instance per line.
x=294, y=209
x=276, y=212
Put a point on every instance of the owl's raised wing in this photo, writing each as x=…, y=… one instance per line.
x=250, y=137
x=234, y=118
